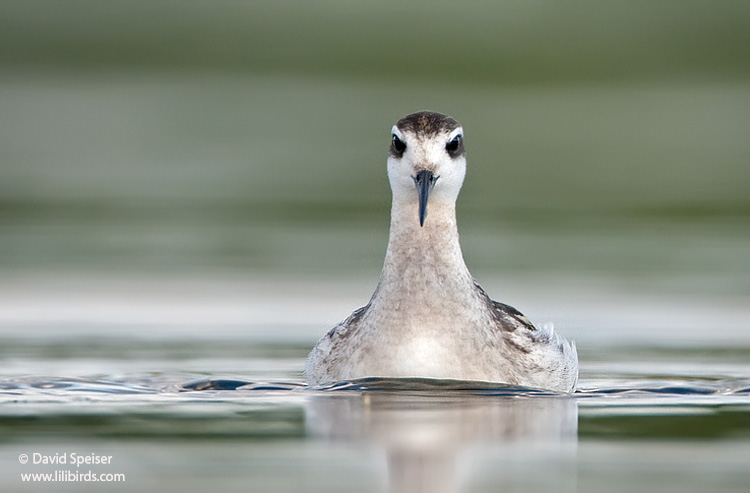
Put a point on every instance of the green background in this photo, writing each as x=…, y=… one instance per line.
x=604, y=138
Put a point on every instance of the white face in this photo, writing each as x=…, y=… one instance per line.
x=430, y=153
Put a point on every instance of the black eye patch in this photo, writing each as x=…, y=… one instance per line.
x=455, y=147
x=398, y=146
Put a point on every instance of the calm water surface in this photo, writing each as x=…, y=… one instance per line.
x=182, y=403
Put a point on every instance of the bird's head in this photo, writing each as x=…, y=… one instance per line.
x=426, y=160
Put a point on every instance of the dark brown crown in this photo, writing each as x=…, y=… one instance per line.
x=427, y=123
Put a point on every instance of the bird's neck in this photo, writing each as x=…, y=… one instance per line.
x=423, y=261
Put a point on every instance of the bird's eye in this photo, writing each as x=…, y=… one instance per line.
x=398, y=146
x=454, y=146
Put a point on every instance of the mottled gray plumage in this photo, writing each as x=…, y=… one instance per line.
x=428, y=317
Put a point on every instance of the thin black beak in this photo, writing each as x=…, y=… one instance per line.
x=424, y=182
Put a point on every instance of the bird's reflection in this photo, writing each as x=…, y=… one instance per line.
x=444, y=437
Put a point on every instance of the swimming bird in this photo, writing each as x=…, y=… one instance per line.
x=428, y=317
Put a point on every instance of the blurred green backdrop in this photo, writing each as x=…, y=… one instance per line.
x=604, y=138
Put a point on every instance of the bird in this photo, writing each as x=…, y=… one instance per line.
x=428, y=316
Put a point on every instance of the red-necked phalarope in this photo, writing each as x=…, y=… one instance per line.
x=428, y=316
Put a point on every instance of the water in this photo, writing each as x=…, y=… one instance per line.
x=185, y=403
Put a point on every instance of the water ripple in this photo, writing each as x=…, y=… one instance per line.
x=58, y=386
x=17, y=388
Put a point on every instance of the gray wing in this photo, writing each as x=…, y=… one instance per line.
x=323, y=356
x=508, y=318
x=550, y=360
